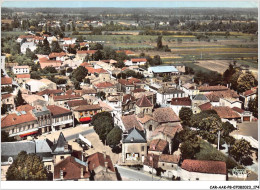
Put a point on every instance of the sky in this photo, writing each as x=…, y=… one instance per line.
x=135, y=4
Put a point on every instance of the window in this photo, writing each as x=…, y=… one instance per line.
x=163, y=164
x=32, y=125
x=62, y=157
x=150, y=128
x=142, y=148
x=7, y=99
x=172, y=166
x=49, y=167
x=197, y=179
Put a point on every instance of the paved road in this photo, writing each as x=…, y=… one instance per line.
x=133, y=175
x=74, y=136
x=247, y=129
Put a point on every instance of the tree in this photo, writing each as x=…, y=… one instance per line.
x=27, y=167
x=185, y=115
x=114, y=136
x=5, y=137
x=98, y=55
x=30, y=54
x=19, y=99
x=227, y=128
x=240, y=150
x=159, y=43
x=49, y=69
x=69, y=70
x=245, y=82
x=253, y=106
x=80, y=73
x=55, y=47
x=35, y=75
x=103, y=123
x=46, y=50
x=211, y=123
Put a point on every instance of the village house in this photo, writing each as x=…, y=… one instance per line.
x=198, y=100
x=31, y=45
x=230, y=102
x=34, y=100
x=6, y=81
x=71, y=169
x=61, y=100
x=100, y=74
x=203, y=170
x=135, y=61
x=23, y=69
x=43, y=116
x=248, y=95
x=51, y=63
x=35, y=86
x=227, y=114
x=105, y=87
x=215, y=96
x=151, y=163
x=134, y=147
x=178, y=103
x=169, y=164
x=128, y=104
x=101, y=167
x=190, y=89
x=47, y=93
x=84, y=113
x=158, y=147
x=68, y=40
x=57, y=56
x=81, y=54
x=8, y=99
x=164, y=95
x=19, y=124
x=204, y=107
x=151, y=96
x=21, y=78
x=245, y=115
x=206, y=88
x=75, y=103
x=61, y=117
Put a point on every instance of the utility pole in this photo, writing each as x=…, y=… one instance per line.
x=218, y=138
x=152, y=167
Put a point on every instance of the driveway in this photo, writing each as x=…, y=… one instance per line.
x=247, y=129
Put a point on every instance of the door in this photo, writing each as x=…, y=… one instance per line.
x=246, y=118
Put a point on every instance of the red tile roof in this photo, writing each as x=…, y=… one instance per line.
x=206, y=106
x=249, y=92
x=99, y=159
x=239, y=110
x=216, y=95
x=124, y=82
x=168, y=130
x=127, y=98
x=92, y=70
x=43, y=59
x=186, y=101
x=139, y=60
x=88, y=107
x=138, y=90
x=86, y=52
x=169, y=158
x=226, y=112
x=66, y=97
x=56, y=110
x=61, y=54
x=144, y=102
x=134, y=80
x=14, y=119
x=204, y=166
x=71, y=169
x=86, y=64
x=67, y=39
x=127, y=52
x=130, y=121
x=163, y=115
x=158, y=145
x=6, y=80
x=50, y=63
x=25, y=108
x=104, y=85
x=4, y=96
x=212, y=88
x=21, y=67
x=74, y=103
x=49, y=92
x=23, y=76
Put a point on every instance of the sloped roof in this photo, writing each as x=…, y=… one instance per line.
x=166, y=114
x=169, y=158
x=206, y=106
x=249, y=92
x=216, y=95
x=71, y=168
x=167, y=129
x=239, y=110
x=86, y=51
x=88, y=107
x=104, y=85
x=4, y=96
x=74, y=103
x=26, y=108
x=127, y=98
x=135, y=136
x=66, y=97
x=151, y=160
x=226, y=112
x=14, y=119
x=130, y=121
x=212, y=88
x=56, y=110
x=49, y=91
x=158, y=145
x=43, y=145
x=204, y=166
x=98, y=159
x=60, y=145
x=163, y=69
x=144, y=102
x=6, y=80
x=21, y=76
x=186, y=101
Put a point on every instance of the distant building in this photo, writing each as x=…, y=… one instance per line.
x=162, y=70
x=135, y=61
x=23, y=69
x=31, y=45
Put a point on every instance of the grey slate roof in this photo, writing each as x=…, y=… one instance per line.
x=43, y=146
x=135, y=136
x=44, y=111
x=12, y=149
x=59, y=147
x=200, y=97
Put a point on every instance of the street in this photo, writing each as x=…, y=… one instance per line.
x=74, y=136
x=128, y=174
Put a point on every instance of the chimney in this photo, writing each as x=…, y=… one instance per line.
x=81, y=173
x=106, y=165
x=105, y=155
x=61, y=174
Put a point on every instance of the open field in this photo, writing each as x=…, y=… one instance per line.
x=214, y=65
